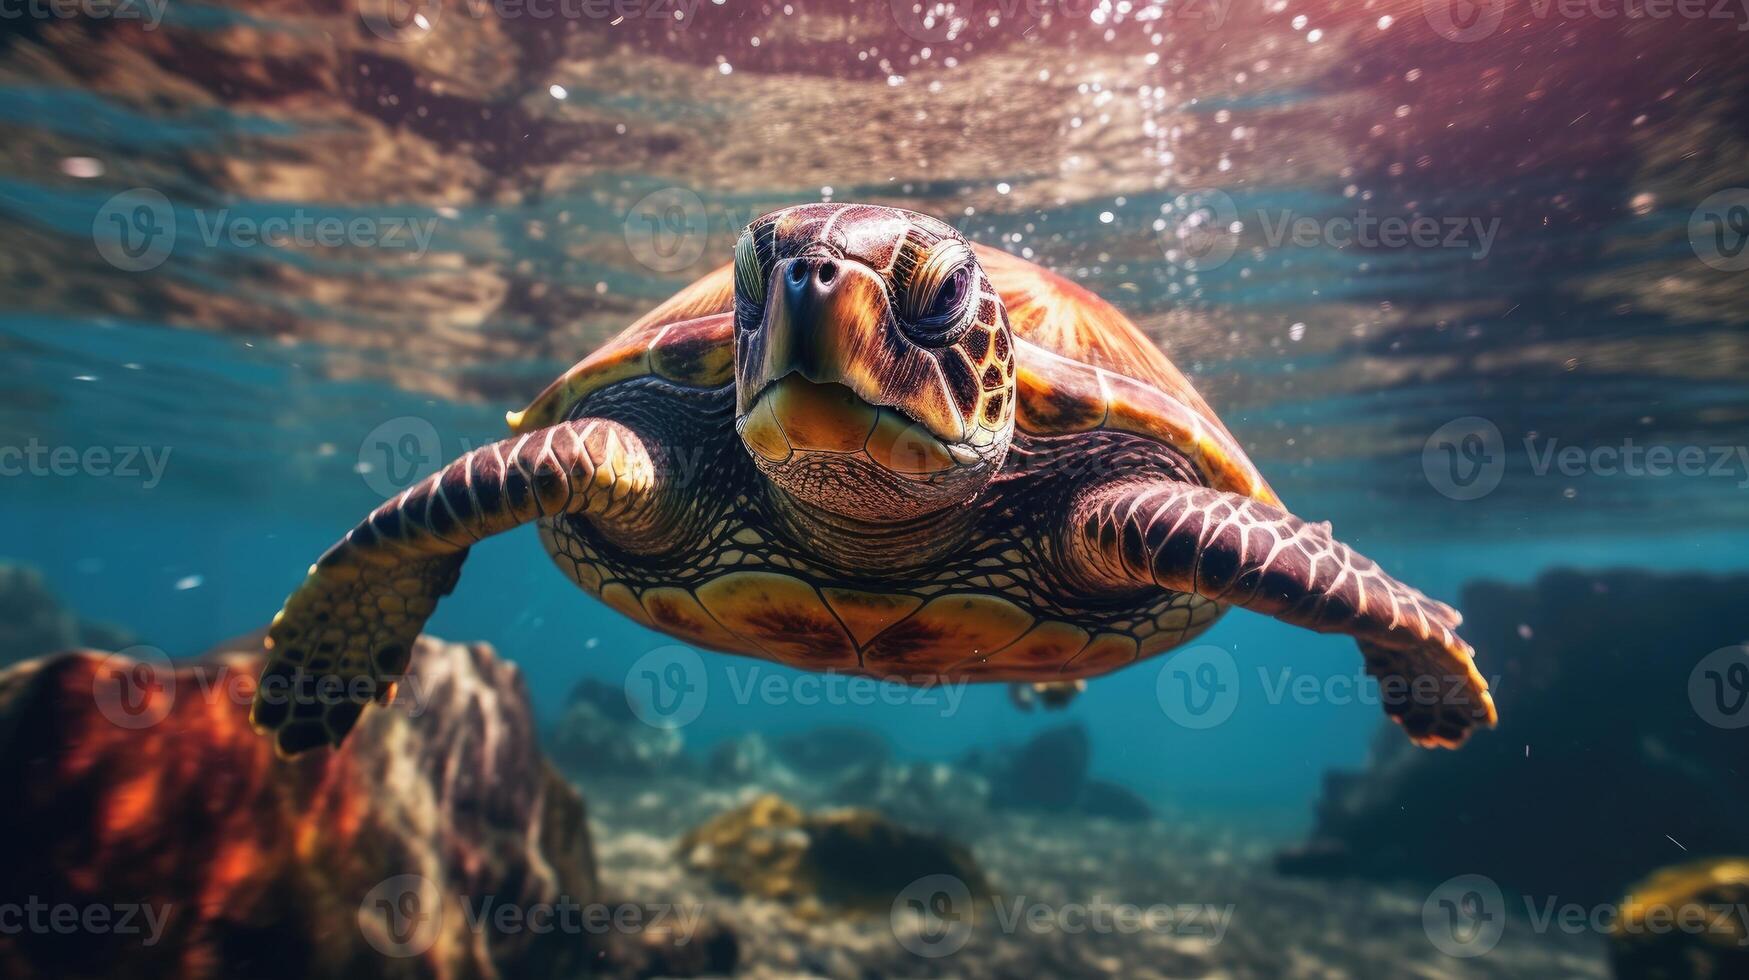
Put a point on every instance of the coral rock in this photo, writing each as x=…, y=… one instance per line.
x=161, y=798
x=853, y=860
x=1685, y=923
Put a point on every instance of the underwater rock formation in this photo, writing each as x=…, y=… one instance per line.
x=833, y=750
x=927, y=794
x=139, y=789
x=1113, y=802
x=600, y=735
x=1048, y=773
x=1685, y=923
x=34, y=621
x=1592, y=674
x=836, y=860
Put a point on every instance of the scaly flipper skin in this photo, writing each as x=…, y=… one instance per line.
x=1244, y=552
x=345, y=635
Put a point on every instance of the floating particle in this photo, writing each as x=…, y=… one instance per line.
x=187, y=582
x=82, y=167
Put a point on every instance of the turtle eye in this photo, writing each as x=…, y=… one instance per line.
x=939, y=298
x=749, y=274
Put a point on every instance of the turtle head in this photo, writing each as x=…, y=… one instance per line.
x=874, y=364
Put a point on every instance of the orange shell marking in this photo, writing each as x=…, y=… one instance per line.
x=781, y=615
x=969, y=623
x=1059, y=396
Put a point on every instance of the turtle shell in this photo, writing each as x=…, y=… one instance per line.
x=1080, y=365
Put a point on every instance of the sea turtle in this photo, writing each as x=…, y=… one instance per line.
x=867, y=445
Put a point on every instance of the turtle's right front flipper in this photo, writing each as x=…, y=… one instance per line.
x=346, y=634
x=1235, y=549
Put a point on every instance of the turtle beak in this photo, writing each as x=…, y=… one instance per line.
x=829, y=321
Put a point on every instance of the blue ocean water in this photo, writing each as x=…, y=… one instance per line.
x=505, y=195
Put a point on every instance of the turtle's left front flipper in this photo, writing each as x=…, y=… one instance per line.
x=1234, y=549
x=346, y=634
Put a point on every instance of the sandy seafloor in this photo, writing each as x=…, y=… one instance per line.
x=1278, y=927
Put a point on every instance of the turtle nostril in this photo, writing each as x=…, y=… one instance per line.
x=828, y=271
x=797, y=272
